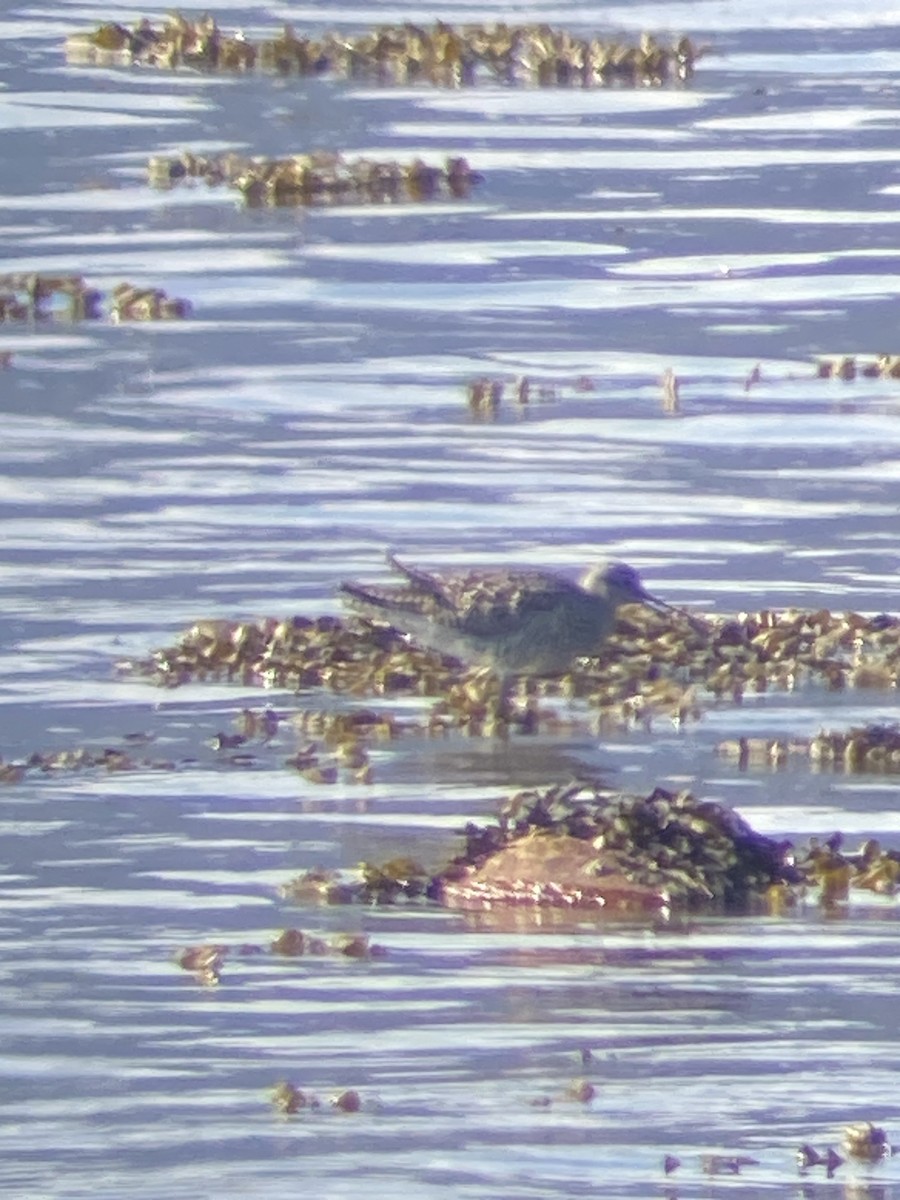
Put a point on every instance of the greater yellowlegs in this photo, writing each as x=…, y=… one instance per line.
x=511, y=622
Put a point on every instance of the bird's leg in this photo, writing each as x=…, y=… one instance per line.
x=487, y=683
x=515, y=701
x=505, y=701
x=528, y=694
x=492, y=691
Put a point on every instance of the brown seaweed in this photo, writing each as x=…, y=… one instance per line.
x=654, y=665
x=441, y=55
x=847, y=367
x=317, y=178
x=39, y=297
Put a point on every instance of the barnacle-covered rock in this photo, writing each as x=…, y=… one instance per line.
x=549, y=869
x=587, y=845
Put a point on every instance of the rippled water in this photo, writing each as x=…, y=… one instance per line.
x=313, y=412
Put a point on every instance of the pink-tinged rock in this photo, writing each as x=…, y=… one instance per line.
x=548, y=869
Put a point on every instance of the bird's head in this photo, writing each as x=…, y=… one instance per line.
x=620, y=584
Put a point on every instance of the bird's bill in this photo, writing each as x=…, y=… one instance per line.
x=654, y=602
x=661, y=606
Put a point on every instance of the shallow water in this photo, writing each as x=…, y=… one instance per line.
x=313, y=412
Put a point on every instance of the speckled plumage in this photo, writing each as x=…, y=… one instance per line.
x=513, y=622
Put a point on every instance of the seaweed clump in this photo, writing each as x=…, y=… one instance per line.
x=297, y=652
x=205, y=961
x=112, y=759
x=652, y=665
x=873, y=749
x=442, y=55
x=847, y=367
x=866, y=1142
x=318, y=178
x=37, y=297
x=288, y=1100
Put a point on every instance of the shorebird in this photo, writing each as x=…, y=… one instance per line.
x=509, y=622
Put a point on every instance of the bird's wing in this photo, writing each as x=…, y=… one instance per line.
x=423, y=595
x=476, y=603
x=494, y=603
x=431, y=586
